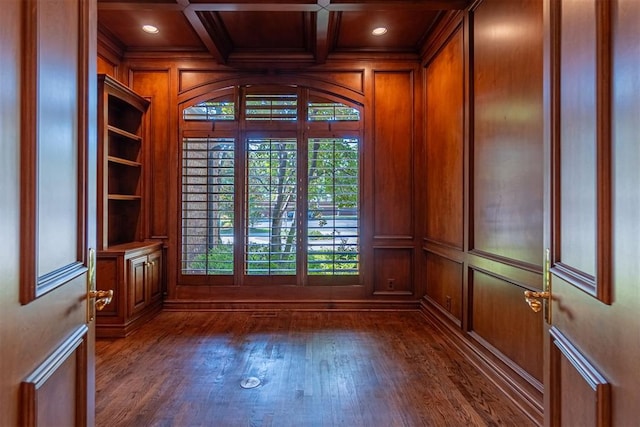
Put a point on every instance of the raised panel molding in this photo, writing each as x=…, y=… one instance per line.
x=190, y=79
x=506, y=164
x=52, y=208
x=63, y=373
x=580, y=395
x=503, y=323
x=352, y=80
x=393, y=271
x=393, y=150
x=107, y=67
x=445, y=145
x=444, y=285
x=581, y=144
x=155, y=86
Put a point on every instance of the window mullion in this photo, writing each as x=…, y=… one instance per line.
x=301, y=208
x=239, y=206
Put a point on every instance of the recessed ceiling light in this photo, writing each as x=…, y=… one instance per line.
x=379, y=31
x=151, y=29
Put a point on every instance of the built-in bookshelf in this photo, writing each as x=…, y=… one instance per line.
x=128, y=262
x=121, y=163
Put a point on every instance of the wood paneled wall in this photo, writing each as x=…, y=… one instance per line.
x=392, y=186
x=483, y=222
x=390, y=92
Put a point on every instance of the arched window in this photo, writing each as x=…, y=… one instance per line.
x=271, y=187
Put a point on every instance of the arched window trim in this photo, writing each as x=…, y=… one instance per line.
x=238, y=95
x=327, y=130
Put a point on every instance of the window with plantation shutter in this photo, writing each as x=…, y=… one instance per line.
x=208, y=195
x=333, y=201
x=268, y=107
x=323, y=110
x=214, y=109
x=273, y=190
x=271, y=194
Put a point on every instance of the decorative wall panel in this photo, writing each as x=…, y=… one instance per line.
x=445, y=145
x=503, y=322
x=444, y=284
x=393, y=154
x=393, y=271
x=507, y=131
x=155, y=86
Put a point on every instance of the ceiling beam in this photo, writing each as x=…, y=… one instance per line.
x=256, y=7
x=140, y=6
x=192, y=16
x=288, y=5
x=371, y=5
x=322, y=35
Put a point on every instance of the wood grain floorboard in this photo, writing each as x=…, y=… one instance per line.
x=316, y=369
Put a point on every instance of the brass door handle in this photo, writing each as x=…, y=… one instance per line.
x=533, y=299
x=103, y=298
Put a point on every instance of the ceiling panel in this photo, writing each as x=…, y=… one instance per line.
x=272, y=30
x=175, y=32
x=276, y=31
x=405, y=30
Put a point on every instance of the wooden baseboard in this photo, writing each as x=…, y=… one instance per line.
x=121, y=330
x=293, y=305
x=520, y=391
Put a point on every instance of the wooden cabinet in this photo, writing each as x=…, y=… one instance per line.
x=144, y=281
x=128, y=262
x=134, y=272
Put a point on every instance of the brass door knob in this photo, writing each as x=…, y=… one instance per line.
x=533, y=299
x=103, y=298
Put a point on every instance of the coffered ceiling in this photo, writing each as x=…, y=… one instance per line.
x=250, y=31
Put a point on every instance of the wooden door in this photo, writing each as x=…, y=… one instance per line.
x=47, y=211
x=593, y=212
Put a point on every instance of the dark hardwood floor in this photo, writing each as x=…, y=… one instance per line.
x=315, y=368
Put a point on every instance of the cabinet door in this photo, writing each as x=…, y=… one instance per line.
x=154, y=275
x=137, y=284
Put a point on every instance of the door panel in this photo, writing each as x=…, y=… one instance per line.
x=582, y=145
x=47, y=188
x=578, y=137
x=592, y=345
x=57, y=134
x=52, y=252
x=46, y=392
x=581, y=393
